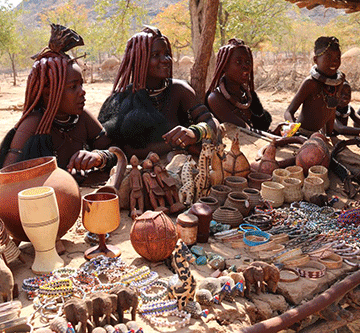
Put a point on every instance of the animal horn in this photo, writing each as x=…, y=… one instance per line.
x=90, y=323
x=113, y=317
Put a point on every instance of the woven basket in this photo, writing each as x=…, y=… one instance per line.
x=228, y=215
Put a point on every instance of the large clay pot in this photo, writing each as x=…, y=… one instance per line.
x=41, y=171
x=313, y=152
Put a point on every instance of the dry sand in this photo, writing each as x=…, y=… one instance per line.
x=11, y=99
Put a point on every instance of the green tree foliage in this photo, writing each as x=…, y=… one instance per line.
x=174, y=22
x=116, y=21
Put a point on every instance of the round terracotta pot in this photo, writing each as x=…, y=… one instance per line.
x=212, y=202
x=240, y=201
x=236, y=183
x=220, y=192
x=41, y=171
x=257, y=178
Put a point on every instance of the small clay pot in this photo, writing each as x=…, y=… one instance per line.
x=279, y=175
x=212, y=202
x=257, y=178
x=296, y=171
x=274, y=192
x=220, y=192
x=240, y=201
x=254, y=196
x=236, y=183
x=321, y=172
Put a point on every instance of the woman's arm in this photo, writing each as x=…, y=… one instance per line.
x=346, y=130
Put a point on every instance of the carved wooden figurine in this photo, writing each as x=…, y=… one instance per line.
x=271, y=275
x=202, y=179
x=187, y=191
x=7, y=281
x=136, y=186
x=167, y=183
x=236, y=164
x=217, y=169
x=153, y=188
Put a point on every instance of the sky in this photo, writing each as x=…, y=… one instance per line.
x=14, y=3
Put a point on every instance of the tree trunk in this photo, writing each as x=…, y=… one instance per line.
x=223, y=18
x=205, y=33
x=13, y=67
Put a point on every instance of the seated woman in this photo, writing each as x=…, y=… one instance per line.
x=231, y=96
x=54, y=121
x=148, y=110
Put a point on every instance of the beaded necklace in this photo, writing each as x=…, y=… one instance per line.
x=245, y=98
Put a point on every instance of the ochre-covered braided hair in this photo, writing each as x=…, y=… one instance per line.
x=49, y=71
x=134, y=66
x=222, y=59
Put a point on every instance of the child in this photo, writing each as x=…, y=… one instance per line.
x=344, y=111
x=231, y=96
x=54, y=121
x=148, y=110
x=319, y=94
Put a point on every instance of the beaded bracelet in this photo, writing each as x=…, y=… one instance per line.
x=135, y=274
x=332, y=261
x=57, y=288
x=162, y=285
x=286, y=254
x=294, y=271
x=247, y=227
x=257, y=233
x=154, y=308
x=163, y=322
x=64, y=272
x=151, y=278
x=305, y=272
x=106, y=287
x=33, y=284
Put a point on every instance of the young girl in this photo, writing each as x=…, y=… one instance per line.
x=54, y=121
x=148, y=110
x=231, y=96
x=344, y=112
x=319, y=94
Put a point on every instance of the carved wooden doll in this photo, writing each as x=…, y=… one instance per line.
x=136, y=186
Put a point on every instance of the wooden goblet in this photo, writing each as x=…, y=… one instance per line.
x=100, y=215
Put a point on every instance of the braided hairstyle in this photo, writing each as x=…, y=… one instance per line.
x=222, y=59
x=134, y=66
x=49, y=71
x=324, y=43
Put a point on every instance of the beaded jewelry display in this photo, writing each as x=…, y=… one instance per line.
x=154, y=308
x=33, y=284
x=56, y=288
x=135, y=275
x=257, y=233
x=150, y=278
x=161, y=320
x=304, y=271
x=161, y=293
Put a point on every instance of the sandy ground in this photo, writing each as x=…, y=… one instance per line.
x=11, y=99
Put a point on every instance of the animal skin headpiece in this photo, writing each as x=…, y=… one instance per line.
x=222, y=59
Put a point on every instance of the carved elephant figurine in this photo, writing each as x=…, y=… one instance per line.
x=103, y=304
x=126, y=298
x=253, y=276
x=271, y=275
x=6, y=282
x=79, y=311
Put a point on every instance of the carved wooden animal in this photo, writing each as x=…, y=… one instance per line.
x=184, y=288
x=202, y=179
x=79, y=311
x=103, y=304
x=126, y=298
x=236, y=164
x=6, y=282
x=271, y=275
x=187, y=191
x=253, y=276
x=217, y=169
x=59, y=325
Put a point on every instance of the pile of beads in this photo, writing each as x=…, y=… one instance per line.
x=56, y=288
x=162, y=293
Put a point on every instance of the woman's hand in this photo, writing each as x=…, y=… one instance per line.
x=84, y=160
x=180, y=136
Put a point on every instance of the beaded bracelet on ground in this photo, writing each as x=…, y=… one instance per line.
x=34, y=283
x=160, y=320
x=158, y=307
x=85, y=281
x=56, y=288
x=147, y=280
x=257, y=233
x=162, y=293
x=135, y=275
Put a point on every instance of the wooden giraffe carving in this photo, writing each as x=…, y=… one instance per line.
x=236, y=164
x=202, y=179
x=182, y=286
x=217, y=170
x=187, y=191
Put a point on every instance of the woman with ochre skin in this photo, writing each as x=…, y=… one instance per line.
x=153, y=112
x=231, y=96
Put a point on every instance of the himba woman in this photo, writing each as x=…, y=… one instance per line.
x=231, y=96
x=148, y=110
x=54, y=121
